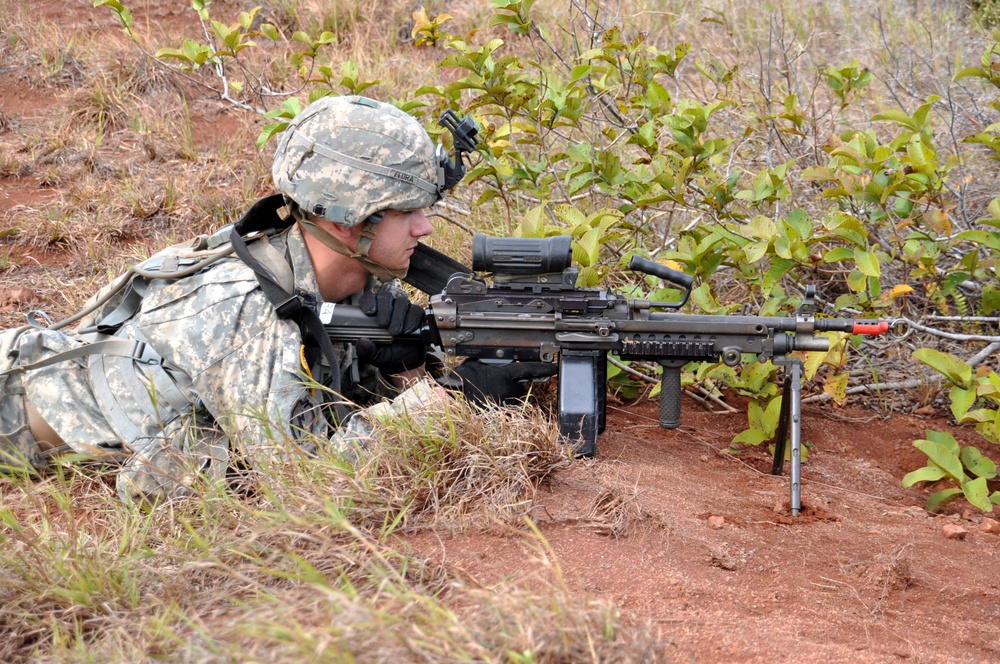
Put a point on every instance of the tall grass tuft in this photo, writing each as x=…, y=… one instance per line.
x=295, y=558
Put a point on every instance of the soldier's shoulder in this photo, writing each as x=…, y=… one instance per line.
x=229, y=279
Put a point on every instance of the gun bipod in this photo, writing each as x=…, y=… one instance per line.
x=790, y=427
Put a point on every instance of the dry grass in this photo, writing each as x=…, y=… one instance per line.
x=296, y=565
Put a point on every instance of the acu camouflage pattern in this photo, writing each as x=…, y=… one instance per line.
x=371, y=132
x=18, y=446
x=356, y=438
x=236, y=361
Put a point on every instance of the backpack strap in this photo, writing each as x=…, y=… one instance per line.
x=167, y=399
x=118, y=347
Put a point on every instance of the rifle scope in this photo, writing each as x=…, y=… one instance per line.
x=521, y=255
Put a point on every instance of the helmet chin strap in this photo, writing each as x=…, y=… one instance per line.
x=360, y=254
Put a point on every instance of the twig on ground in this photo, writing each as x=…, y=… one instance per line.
x=951, y=335
x=878, y=387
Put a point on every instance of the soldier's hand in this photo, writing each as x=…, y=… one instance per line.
x=394, y=358
x=503, y=384
x=392, y=309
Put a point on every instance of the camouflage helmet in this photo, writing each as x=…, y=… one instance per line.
x=348, y=158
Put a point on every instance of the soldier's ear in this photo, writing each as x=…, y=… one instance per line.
x=343, y=233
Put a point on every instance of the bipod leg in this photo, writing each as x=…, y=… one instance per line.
x=781, y=437
x=790, y=426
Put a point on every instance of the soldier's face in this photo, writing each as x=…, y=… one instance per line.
x=396, y=237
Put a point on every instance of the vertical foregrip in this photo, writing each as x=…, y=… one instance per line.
x=670, y=397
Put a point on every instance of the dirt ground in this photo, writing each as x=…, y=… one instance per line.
x=714, y=558
x=711, y=555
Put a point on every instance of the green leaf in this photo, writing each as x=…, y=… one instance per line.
x=171, y=53
x=849, y=228
x=752, y=437
x=756, y=374
x=570, y=214
x=857, y=281
x=975, y=72
x=590, y=245
x=192, y=49
x=220, y=29
x=755, y=415
x=836, y=387
x=977, y=464
x=269, y=131
x=867, y=262
x=952, y=367
x=799, y=220
x=124, y=15
x=977, y=493
x=941, y=456
x=961, y=401
x=779, y=268
x=986, y=238
x=990, y=300
x=941, y=498
x=899, y=117
x=703, y=299
x=760, y=227
x=943, y=438
x=930, y=473
x=755, y=251
x=533, y=222
x=769, y=422
x=487, y=196
x=980, y=415
x=838, y=255
x=269, y=31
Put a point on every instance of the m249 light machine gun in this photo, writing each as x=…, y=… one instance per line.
x=533, y=311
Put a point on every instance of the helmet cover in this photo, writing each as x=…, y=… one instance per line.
x=347, y=158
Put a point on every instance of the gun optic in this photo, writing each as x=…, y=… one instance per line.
x=521, y=255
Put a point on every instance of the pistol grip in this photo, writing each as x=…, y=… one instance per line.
x=670, y=395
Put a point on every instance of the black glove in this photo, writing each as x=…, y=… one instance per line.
x=392, y=310
x=393, y=358
x=483, y=384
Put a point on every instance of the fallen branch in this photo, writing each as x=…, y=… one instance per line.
x=951, y=335
x=983, y=354
x=879, y=387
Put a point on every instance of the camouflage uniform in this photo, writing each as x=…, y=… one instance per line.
x=219, y=367
x=236, y=364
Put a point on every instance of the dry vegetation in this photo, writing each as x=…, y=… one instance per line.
x=105, y=155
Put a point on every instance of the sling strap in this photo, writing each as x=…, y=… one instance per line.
x=276, y=282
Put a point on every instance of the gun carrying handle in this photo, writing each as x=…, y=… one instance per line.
x=685, y=281
x=670, y=394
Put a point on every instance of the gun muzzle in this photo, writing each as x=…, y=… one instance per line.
x=870, y=327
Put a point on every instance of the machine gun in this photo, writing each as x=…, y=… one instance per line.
x=533, y=311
